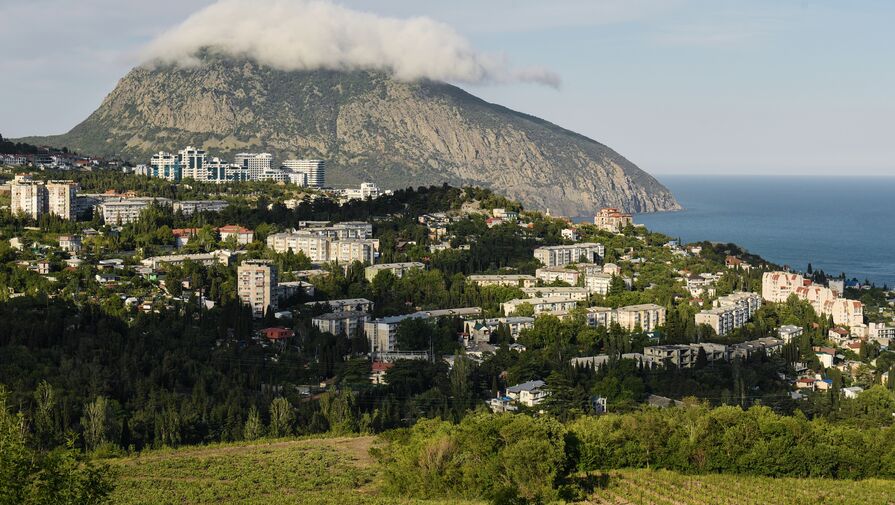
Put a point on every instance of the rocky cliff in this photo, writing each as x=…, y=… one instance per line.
x=368, y=127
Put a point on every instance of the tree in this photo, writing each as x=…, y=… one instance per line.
x=59, y=477
x=96, y=423
x=253, y=429
x=282, y=417
x=44, y=415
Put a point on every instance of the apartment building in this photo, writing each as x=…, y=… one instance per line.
x=789, y=332
x=684, y=355
x=511, y=280
x=28, y=198
x=255, y=164
x=612, y=220
x=553, y=274
x=730, y=312
x=70, y=243
x=256, y=286
x=598, y=283
x=315, y=247
x=648, y=317
x=569, y=293
x=190, y=207
x=346, y=305
x=382, y=332
x=540, y=305
x=561, y=255
x=351, y=250
x=222, y=257
x=128, y=210
x=314, y=169
x=61, y=196
x=397, y=269
x=747, y=349
x=347, y=323
x=779, y=286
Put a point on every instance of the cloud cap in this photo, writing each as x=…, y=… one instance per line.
x=317, y=34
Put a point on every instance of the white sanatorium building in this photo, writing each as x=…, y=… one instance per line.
x=315, y=170
x=777, y=287
x=730, y=312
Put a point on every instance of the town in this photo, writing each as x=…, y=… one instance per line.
x=468, y=277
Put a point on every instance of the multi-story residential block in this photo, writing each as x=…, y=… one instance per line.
x=612, y=220
x=648, y=317
x=256, y=285
x=880, y=331
x=316, y=248
x=346, y=305
x=779, y=286
x=61, y=196
x=553, y=274
x=351, y=250
x=348, y=323
x=730, y=312
x=155, y=262
x=28, y=197
x=315, y=170
x=540, y=305
x=598, y=282
x=365, y=191
x=382, y=332
x=569, y=293
x=255, y=164
x=165, y=166
x=560, y=255
x=397, y=269
x=511, y=280
x=685, y=355
x=789, y=332
x=762, y=345
x=243, y=236
x=128, y=210
x=192, y=163
x=190, y=207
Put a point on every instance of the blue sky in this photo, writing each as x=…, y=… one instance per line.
x=677, y=86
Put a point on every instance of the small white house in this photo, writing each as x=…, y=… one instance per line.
x=528, y=393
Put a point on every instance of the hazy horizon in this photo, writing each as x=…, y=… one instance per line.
x=679, y=87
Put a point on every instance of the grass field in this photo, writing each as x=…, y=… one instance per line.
x=340, y=471
x=313, y=471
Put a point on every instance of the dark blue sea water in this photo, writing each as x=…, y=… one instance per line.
x=838, y=224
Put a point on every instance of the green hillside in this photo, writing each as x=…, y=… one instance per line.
x=310, y=471
x=341, y=471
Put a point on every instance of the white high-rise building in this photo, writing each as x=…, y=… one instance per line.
x=165, y=165
x=28, y=198
x=61, y=198
x=192, y=163
x=255, y=163
x=256, y=283
x=316, y=170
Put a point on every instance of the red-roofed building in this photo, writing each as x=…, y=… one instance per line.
x=183, y=235
x=378, y=370
x=277, y=334
x=612, y=220
x=243, y=235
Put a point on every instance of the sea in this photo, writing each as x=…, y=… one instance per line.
x=838, y=224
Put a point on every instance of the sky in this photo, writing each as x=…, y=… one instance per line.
x=777, y=87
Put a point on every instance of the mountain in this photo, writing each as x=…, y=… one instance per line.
x=368, y=127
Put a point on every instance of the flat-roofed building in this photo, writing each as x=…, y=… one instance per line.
x=540, y=305
x=598, y=283
x=553, y=274
x=346, y=305
x=190, y=207
x=569, y=293
x=61, y=197
x=510, y=280
x=397, y=269
x=560, y=255
x=382, y=332
x=348, y=323
x=685, y=355
x=256, y=286
x=648, y=317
